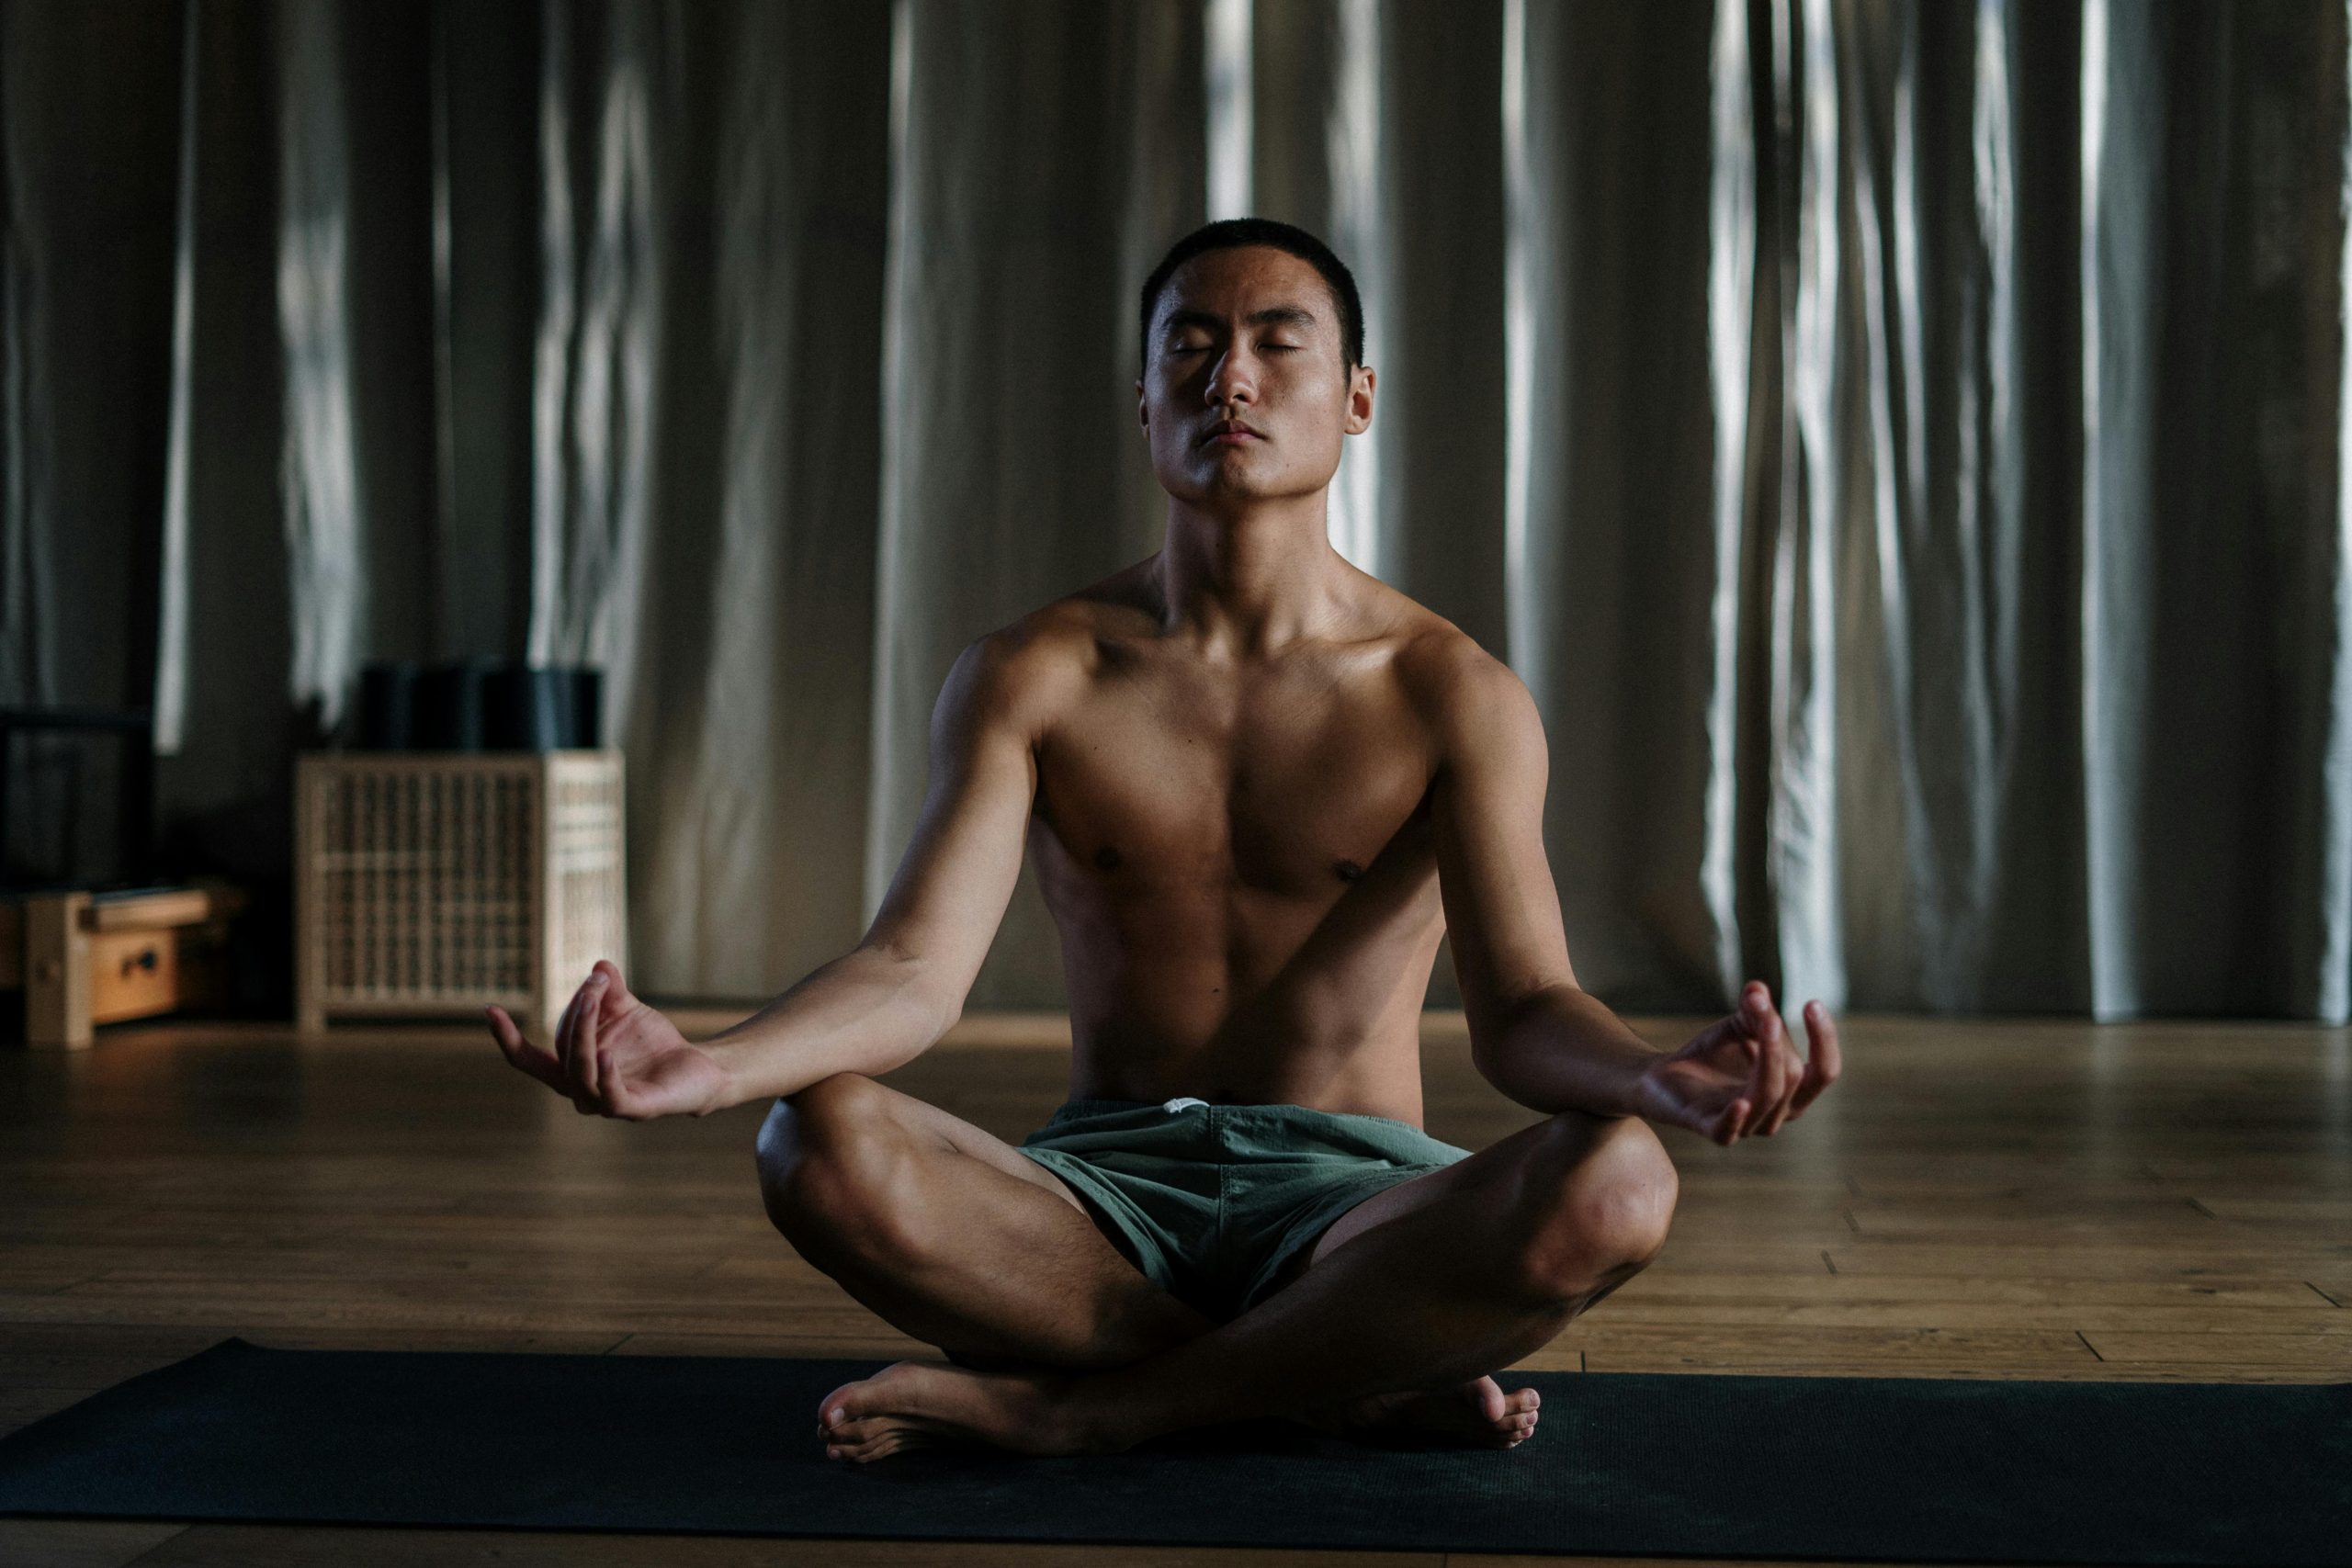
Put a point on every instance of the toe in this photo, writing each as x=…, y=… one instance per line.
x=834, y=1408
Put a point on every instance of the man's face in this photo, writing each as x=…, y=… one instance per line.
x=1247, y=393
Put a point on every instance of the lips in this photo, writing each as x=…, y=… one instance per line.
x=1230, y=432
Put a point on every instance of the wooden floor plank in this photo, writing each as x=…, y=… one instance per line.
x=80, y=1543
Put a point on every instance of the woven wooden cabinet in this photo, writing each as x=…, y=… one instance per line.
x=435, y=883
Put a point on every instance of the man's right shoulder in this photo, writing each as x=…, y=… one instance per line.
x=1023, y=672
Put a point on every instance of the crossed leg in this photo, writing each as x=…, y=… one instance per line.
x=953, y=1237
x=956, y=1238
x=1418, y=1291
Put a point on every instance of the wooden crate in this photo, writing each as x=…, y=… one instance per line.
x=434, y=883
x=85, y=958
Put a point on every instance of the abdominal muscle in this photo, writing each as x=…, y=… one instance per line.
x=1223, y=1010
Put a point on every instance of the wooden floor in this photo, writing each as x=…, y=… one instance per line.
x=1974, y=1200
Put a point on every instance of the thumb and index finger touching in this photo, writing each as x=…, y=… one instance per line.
x=1778, y=1087
x=524, y=1053
x=1793, y=1087
x=557, y=1067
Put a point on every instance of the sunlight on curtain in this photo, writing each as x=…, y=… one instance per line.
x=172, y=627
x=1230, y=136
x=2121, y=113
x=599, y=348
x=324, y=528
x=895, y=773
x=1521, y=601
x=1805, y=841
x=1731, y=283
x=1352, y=149
x=2335, y=978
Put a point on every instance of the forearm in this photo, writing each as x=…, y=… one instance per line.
x=1561, y=1049
x=867, y=1011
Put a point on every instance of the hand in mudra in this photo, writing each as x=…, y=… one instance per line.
x=1742, y=1075
x=616, y=1057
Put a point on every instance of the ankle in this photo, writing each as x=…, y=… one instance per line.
x=1086, y=1419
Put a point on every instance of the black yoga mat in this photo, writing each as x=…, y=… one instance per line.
x=1894, y=1469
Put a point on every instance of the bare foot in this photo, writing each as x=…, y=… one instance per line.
x=918, y=1404
x=1472, y=1415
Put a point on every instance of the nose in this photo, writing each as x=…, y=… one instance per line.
x=1233, y=380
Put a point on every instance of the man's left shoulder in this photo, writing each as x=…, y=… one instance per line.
x=1460, y=689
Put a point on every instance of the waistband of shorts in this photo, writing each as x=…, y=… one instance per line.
x=1078, y=1110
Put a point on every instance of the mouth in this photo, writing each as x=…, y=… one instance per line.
x=1230, y=433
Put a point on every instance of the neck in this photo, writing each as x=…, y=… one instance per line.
x=1249, y=578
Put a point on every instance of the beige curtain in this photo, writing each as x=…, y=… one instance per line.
x=1899, y=444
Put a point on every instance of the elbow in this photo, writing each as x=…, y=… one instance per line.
x=935, y=998
x=1499, y=1025
x=946, y=1014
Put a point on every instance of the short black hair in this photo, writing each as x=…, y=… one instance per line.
x=1231, y=233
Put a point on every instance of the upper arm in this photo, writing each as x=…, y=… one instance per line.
x=1502, y=911
x=960, y=867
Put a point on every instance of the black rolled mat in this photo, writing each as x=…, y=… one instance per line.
x=1892, y=1469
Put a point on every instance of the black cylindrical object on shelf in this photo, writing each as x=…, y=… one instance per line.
x=525, y=708
x=387, y=716
x=449, y=707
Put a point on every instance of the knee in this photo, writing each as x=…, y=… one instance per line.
x=1602, y=1212
x=827, y=1159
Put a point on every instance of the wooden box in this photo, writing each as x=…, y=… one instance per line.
x=84, y=959
x=435, y=883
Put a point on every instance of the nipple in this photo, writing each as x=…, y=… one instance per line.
x=1349, y=870
x=1107, y=858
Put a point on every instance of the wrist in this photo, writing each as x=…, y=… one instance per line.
x=728, y=1088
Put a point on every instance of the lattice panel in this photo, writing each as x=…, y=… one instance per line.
x=438, y=883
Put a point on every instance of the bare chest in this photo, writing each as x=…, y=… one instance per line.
x=1164, y=780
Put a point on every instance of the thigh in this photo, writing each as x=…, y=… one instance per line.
x=954, y=1134
x=868, y=1177
x=1499, y=1173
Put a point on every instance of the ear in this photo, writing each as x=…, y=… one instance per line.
x=1359, y=383
x=1143, y=409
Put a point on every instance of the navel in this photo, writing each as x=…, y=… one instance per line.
x=1107, y=858
x=1349, y=870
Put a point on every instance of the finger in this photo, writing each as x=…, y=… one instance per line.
x=1731, y=1028
x=1800, y=1073
x=1826, y=1062
x=619, y=993
x=1779, y=1074
x=1751, y=1100
x=590, y=1058
x=1725, y=1130
x=563, y=1032
x=1791, y=1079
x=536, y=1060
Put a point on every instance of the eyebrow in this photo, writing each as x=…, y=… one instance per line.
x=1271, y=316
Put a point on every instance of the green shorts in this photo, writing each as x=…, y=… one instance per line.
x=1210, y=1201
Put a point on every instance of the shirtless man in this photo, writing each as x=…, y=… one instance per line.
x=1258, y=785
